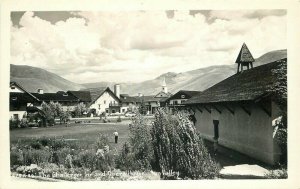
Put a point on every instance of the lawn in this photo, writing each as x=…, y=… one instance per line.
x=83, y=133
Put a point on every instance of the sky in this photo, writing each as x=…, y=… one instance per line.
x=135, y=46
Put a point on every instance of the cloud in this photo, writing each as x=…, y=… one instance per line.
x=139, y=45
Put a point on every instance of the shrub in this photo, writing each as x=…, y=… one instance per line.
x=178, y=148
x=277, y=174
x=60, y=155
x=102, y=141
x=140, y=144
x=125, y=160
x=16, y=157
x=14, y=123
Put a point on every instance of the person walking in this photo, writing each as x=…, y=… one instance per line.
x=116, y=134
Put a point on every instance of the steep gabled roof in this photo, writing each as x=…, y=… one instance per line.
x=97, y=92
x=248, y=85
x=23, y=89
x=84, y=96
x=244, y=55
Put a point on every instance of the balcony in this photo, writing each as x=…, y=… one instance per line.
x=114, y=105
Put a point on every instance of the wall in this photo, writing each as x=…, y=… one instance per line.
x=107, y=97
x=20, y=114
x=248, y=134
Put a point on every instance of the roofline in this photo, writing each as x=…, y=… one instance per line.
x=109, y=90
x=17, y=84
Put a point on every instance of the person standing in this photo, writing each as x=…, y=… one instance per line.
x=116, y=134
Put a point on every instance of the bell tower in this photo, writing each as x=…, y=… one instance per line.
x=164, y=86
x=244, y=58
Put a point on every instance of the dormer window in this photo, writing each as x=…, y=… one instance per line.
x=182, y=96
x=12, y=87
x=14, y=98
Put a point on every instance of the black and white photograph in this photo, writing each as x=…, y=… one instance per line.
x=148, y=95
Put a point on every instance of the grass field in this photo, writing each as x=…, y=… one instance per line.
x=83, y=134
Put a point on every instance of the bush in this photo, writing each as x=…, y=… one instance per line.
x=16, y=157
x=14, y=123
x=125, y=160
x=140, y=142
x=277, y=174
x=178, y=148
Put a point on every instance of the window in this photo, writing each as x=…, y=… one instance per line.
x=175, y=102
x=106, y=110
x=99, y=106
x=16, y=116
x=14, y=98
x=123, y=110
x=104, y=101
x=12, y=87
x=182, y=96
x=113, y=111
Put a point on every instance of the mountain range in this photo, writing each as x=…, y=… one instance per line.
x=32, y=78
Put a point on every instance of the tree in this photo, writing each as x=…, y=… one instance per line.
x=49, y=113
x=280, y=97
x=178, y=148
x=80, y=109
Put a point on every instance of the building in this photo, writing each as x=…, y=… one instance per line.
x=67, y=101
x=153, y=102
x=177, y=100
x=238, y=112
x=82, y=96
x=129, y=103
x=104, y=100
x=19, y=101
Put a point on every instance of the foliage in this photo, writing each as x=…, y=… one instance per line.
x=277, y=174
x=140, y=142
x=178, y=148
x=80, y=109
x=49, y=113
x=14, y=123
x=125, y=160
x=280, y=97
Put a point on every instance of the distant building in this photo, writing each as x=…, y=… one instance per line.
x=238, y=112
x=68, y=102
x=104, y=100
x=19, y=101
x=177, y=100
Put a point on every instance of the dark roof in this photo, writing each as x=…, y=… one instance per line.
x=96, y=92
x=84, y=96
x=59, y=97
x=243, y=86
x=244, y=55
x=188, y=94
x=128, y=99
x=16, y=98
x=20, y=87
x=150, y=98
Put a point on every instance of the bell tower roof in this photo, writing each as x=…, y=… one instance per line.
x=245, y=55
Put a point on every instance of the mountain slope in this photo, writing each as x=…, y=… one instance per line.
x=199, y=79
x=32, y=78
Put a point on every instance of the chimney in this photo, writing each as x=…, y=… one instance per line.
x=117, y=90
x=40, y=91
